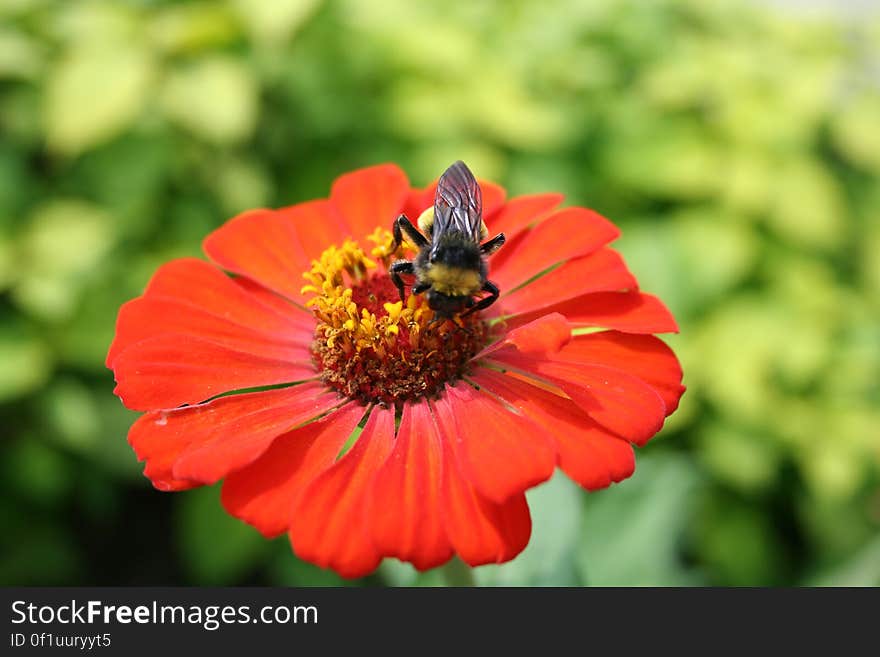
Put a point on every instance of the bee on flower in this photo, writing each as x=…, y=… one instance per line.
x=373, y=389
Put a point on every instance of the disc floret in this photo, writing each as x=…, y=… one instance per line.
x=371, y=346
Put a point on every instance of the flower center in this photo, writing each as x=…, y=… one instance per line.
x=371, y=346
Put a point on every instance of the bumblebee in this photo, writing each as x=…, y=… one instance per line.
x=451, y=263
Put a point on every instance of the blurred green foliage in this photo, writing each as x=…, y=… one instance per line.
x=738, y=149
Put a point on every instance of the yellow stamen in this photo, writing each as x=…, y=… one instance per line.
x=369, y=344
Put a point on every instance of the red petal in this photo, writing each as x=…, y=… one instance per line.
x=262, y=493
x=419, y=200
x=223, y=448
x=502, y=454
x=329, y=525
x=404, y=513
x=145, y=318
x=226, y=433
x=615, y=399
x=566, y=234
x=170, y=370
x=630, y=312
x=193, y=297
x=589, y=454
x=370, y=198
x=521, y=212
x=603, y=271
x=493, y=199
x=511, y=246
x=644, y=356
x=160, y=437
x=262, y=245
x=317, y=225
x=303, y=319
x=546, y=334
x=481, y=531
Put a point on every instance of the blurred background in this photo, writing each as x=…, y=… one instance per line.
x=736, y=143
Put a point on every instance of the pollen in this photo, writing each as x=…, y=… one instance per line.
x=371, y=346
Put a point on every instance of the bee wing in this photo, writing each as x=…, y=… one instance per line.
x=458, y=204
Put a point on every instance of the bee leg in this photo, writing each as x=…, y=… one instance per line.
x=403, y=225
x=459, y=321
x=490, y=247
x=398, y=268
x=418, y=288
x=485, y=302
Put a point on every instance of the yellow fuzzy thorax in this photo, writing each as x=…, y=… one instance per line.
x=453, y=281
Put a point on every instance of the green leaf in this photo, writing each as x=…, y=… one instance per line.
x=215, y=98
x=16, y=185
x=746, y=459
x=26, y=363
x=110, y=449
x=61, y=245
x=20, y=56
x=780, y=349
x=96, y=21
x=710, y=272
x=241, y=185
x=72, y=414
x=739, y=543
x=7, y=263
x=286, y=569
x=809, y=209
x=66, y=237
x=631, y=532
x=41, y=554
x=274, y=21
x=127, y=177
x=45, y=297
x=216, y=548
x=870, y=263
x=855, y=131
x=83, y=339
x=748, y=184
x=37, y=470
x=663, y=157
x=862, y=569
x=193, y=27
x=398, y=573
x=834, y=469
x=94, y=94
x=835, y=530
x=21, y=118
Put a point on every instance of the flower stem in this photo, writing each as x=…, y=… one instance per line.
x=458, y=573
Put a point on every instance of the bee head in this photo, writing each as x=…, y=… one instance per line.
x=446, y=306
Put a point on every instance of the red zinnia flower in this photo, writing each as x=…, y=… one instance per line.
x=455, y=421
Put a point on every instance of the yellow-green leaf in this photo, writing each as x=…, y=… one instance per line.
x=93, y=94
x=215, y=98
